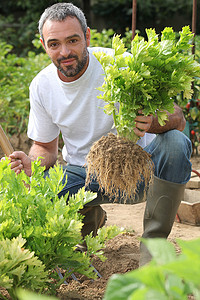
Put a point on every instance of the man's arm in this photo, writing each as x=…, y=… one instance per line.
x=48, y=152
x=150, y=123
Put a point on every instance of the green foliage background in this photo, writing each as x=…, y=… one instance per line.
x=18, y=19
x=16, y=74
x=150, y=13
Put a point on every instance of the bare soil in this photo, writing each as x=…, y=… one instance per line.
x=122, y=252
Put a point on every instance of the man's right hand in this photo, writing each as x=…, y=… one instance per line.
x=20, y=161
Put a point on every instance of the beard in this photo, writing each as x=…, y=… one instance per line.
x=70, y=71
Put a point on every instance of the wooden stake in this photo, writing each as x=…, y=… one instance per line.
x=4, y=143
x=194, y=21
x=134, y=10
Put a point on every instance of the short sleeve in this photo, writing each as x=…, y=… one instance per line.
x=40, y=125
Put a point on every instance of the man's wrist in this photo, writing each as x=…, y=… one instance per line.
x=32, y=158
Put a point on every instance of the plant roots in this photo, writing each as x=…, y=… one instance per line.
x=118, y=165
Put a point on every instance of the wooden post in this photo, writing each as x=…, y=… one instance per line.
x=194, y=21
x=134, y=10
x=5, y=143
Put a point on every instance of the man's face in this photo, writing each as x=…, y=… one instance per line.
x=66, y=45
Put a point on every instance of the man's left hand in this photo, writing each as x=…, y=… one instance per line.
x=143, y=124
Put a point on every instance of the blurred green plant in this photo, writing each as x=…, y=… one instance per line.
x=167, y=276
x=191, y=108
x=101, y=39
x=27, y=295
x=157, y=14
x=19, y=21
x=16, y=74
x=104, y=38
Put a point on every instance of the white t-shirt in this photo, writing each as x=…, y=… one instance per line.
x=71, y=108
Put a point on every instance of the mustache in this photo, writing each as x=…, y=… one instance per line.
x=68, y=57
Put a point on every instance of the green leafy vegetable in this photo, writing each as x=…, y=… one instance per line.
x=95, y=246
x=19, y=267
x=148, y=78
x=52, y=229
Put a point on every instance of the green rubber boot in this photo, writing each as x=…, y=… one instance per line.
x=163, y=200
x=94, y=218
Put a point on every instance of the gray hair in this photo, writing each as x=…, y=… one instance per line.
x=59, y=12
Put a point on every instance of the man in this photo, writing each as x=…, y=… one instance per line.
x=63, y=98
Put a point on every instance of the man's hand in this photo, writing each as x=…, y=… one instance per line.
x=19, y=160
x=143, y=124
x=150, y=123
x=175, y=121
x=47, y=152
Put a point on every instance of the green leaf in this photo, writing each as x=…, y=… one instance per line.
x=194, y=113
x=162, y=117
x=146, y=294
x=27, y=295
x=161, y=250
x=121, y=287
x=118, y=45
x=96, y=244
x=175, y=287
x=168, y=34
x=109, y=108
x=190, y=248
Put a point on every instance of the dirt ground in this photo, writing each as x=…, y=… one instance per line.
x=122, y=252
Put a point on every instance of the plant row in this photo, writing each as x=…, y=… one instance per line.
x=40, y=232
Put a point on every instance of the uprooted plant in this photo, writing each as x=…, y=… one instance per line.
x=145, y=80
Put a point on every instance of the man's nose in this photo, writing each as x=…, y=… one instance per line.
x=65, y=50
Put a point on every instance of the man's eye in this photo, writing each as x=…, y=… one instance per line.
x=73, y=41
x=53, y=45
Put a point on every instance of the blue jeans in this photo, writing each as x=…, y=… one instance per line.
x=170, y=152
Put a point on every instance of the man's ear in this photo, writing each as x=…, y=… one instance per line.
x=43, y=45
x=88, y=37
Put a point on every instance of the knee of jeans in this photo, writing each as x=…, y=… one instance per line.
x=176, y=143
